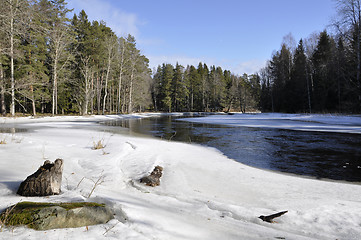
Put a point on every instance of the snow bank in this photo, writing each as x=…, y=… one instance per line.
x=203, y=194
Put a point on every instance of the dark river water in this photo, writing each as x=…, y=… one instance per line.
x=317, y=154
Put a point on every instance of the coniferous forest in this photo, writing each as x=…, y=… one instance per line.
x=53, y=64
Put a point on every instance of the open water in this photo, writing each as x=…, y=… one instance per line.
x=334, y=156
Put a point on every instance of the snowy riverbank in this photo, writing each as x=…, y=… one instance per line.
x=203, y=194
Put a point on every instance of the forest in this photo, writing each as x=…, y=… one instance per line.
x=322, y=73
x=208, y=89
x=320, y=78
x=53, y=64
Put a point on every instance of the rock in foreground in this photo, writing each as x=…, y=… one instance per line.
x=45, y=181
x=44, y=216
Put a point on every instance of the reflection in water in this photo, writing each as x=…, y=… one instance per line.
x=322, y=155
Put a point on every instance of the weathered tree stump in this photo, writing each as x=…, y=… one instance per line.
x=45, y=181
x=154, y=178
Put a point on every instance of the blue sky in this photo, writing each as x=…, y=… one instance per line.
x=237, y=35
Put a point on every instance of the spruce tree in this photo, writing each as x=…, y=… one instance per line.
x=166, y=87
x=325, y=84
x=298, y=86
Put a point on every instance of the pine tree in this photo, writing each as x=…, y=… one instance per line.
x=194, y=82
x=228, y=98
x=33, y=70
x=298, y=87
x=83, y=68
x=345, y=91
x=325, y=96
x=203, y=72
x=166, y=86
x=179, y=89
x=280, y=69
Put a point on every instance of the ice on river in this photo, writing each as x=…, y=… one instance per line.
x=301, y=122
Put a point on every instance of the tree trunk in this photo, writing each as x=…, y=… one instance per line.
x=87, y=90
x=192, y=101
x=2, y=92
x=98, y=93
x=33, y=100
x=55, y=85
x=308, y=90
x=86, y=96
x=106, y=84
x=12, y=106
x=130, y=106
x=358, y=48
x=203, y=94
x=92, y=95
x=119, y=110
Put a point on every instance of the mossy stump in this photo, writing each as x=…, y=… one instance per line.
x=44, y=216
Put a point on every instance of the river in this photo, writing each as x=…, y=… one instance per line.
x=334, y=156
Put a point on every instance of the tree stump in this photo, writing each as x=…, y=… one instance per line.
x=154, y=178
x=45, y=181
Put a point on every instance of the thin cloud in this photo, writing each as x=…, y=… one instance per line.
x=249, y=67
x=121, y=22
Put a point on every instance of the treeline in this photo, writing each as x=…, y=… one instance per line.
x=52, y=64
x=176, y=88
x=321, y=74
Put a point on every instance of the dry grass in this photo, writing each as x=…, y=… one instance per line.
x=5, y=217
x=2, y=139
x=98, y=144
x=98, y=182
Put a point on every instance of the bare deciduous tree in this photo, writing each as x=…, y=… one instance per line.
x=110, y=45
x=350, y=19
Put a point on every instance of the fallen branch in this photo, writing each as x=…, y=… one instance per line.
x=270, y=218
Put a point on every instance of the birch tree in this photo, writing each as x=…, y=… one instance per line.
x=2, y=74
x=12, y=18
x=121, y=63
x=85, y=86
x=110, y=45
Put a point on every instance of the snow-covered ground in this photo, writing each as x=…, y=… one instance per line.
x=203, y=194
